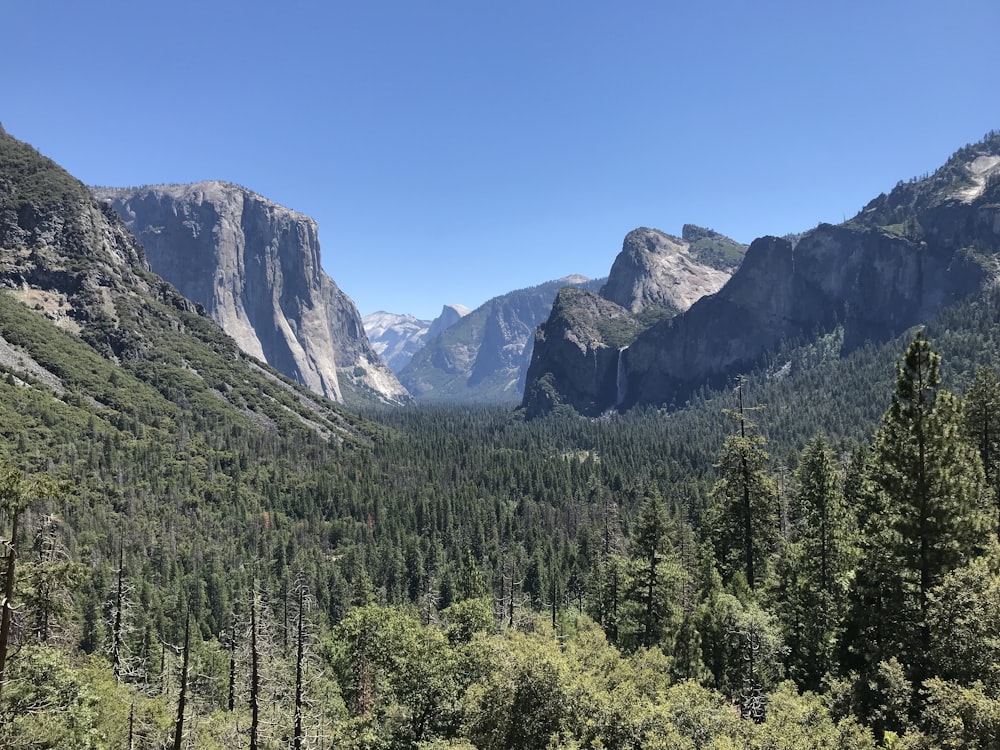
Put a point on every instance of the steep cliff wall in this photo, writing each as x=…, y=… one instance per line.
x=483, y=358
x=579, y=357
x=255, y=266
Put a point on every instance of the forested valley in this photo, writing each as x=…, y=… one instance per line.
x=807, y=559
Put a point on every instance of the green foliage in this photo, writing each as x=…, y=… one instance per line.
x=925, y=490
x=815, y=570
x=714, y=249
x=743, y=519
x=48, y=703
x=29, y=179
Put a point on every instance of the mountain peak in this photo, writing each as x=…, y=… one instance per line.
x=656, y=271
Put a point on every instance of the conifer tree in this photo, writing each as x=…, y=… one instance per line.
x=925, y=489
x=981, y=420
x=742, y=521
x=817, y=565
x=655, y=574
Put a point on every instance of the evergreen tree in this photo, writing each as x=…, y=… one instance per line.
x=743, y=521
x=925, y=487
x=981, y=420
x=655, y=575
x=816, y=566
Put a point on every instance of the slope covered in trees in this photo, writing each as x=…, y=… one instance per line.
x=464, y=565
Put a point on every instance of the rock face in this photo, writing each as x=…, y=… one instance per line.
x=577, y=354
x=897, y=264
x=255, y=266
x=396, y=338
x=656, y=272
x=483, y=358
x=580, y=357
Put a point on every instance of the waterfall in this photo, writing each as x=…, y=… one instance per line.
x=621, y=380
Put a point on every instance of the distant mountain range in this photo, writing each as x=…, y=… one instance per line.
x=904, y=258
x=483, y=357
x=674, y=314
x=397, y=337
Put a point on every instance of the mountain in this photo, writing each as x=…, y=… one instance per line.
x=396, y=338
x=578, y=353
x=659, y=275
x=484, y=356
x=903, y=259
x=255, y=267
x=84, y=320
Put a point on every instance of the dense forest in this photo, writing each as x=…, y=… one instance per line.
x=806, y=560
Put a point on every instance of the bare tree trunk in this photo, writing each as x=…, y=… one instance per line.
x=116, y=643
x=232, y=666
x=182, y=697
x=8, y=595
x=299, y=655
x=254, y=672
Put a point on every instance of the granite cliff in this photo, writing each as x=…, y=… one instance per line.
x=579, y=353
x=80, y=276
x=904, y=258
x=255, y=267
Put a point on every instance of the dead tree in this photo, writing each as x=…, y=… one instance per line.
x=182, y=696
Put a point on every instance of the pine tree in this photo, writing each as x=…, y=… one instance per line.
x=925, y=489
x=655, y=574
x=816, y=567
x=742, y=521
x=981, y=420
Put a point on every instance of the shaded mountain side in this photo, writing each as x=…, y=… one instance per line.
x=582, y=340
x=255, y=266
x=903, y=259
x=483, y=358
x=83, y=315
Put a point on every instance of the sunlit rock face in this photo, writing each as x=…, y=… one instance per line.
x=255, y=266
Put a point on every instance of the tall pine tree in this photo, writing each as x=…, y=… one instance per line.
x=926, y=490
x=743, y=519
x=816, y=567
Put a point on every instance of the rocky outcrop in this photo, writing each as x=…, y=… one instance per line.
x=69, y=258
x=577, y=355
x=396, y=338
x=449, y=316
x=902, y=260
x=484, y=357
x=580, y=354
x=656, y=273
x=64, y=254
x=255, y=267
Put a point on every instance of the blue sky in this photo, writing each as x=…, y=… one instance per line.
x=454, y=150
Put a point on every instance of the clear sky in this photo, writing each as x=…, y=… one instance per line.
x=453, y=150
